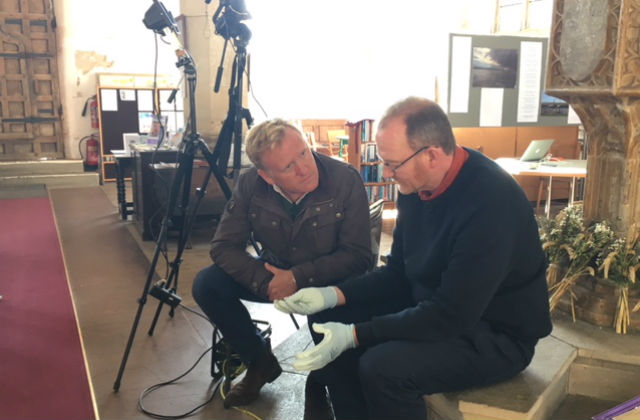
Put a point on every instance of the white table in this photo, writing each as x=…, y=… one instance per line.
x=567, y=168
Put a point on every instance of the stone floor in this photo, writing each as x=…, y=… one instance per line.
x=108, y=264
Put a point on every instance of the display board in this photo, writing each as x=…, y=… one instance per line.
x=498, y=81
x=130, y=110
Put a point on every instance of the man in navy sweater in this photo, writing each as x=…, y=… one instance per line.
x=462, y=300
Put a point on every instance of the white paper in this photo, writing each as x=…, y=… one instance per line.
x=572, y=117
x=460, y=74
x=529, y=81
x=127, y=95
x=109, y=99
x=145, y=100
x=491, y=107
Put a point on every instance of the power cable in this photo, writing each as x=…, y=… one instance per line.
x=230, y=368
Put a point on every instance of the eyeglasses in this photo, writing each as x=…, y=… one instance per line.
x=393, y=169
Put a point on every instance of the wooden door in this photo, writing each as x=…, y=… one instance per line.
x=30, y=127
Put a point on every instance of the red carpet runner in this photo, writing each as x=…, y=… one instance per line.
x=42, y=367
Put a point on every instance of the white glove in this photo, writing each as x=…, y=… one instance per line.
x=338, y=337
x=308, y=301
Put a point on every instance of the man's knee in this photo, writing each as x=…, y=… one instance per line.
x=374, y=366
x=201, y=284
x=209, y=284
x=382, y=370
x=389, y=389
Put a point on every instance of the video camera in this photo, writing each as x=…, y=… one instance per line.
x=157, y=18
x=228, y=20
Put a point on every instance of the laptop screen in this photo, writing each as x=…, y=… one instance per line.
x=536, y=150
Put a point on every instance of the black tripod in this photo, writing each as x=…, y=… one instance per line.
x=231, y=132
x=191, y=145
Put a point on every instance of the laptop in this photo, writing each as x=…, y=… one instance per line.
x=536, y=150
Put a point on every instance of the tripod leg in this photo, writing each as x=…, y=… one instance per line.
x=134, y=327
x=192, y=141
x=183, y=178
x=175, y=188
x=189, y=216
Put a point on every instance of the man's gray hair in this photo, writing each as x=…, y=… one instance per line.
x=266, y=136
x=427, y=124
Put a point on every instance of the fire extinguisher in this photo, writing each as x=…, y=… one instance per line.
x=92, y=104
x=92, y=151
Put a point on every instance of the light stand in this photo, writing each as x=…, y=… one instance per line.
x=158, y=18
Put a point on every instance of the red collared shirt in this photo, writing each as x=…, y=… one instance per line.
x=460, y=156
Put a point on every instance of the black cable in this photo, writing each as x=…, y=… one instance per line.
x=172, y=381
x=160, y=385
x=193, y=311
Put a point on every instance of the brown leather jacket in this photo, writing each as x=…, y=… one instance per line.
x=327, y=242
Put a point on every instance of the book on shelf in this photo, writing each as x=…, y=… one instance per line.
x=373, y=174
x=369, y=152
x=363, y=154
x=386, y=192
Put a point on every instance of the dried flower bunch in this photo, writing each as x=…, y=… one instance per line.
x=557, y=235
x=575, y=250
x=620, y=264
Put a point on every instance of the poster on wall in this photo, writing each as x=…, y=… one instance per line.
x=491, y=100
x=572, y=117
x=529, y=81
x=494, y=67
x=109, y=99
x=552, y=106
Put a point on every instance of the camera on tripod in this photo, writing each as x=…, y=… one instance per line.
x=228, y=21
x=158, y=18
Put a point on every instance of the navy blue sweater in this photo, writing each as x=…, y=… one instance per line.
x=471, y=254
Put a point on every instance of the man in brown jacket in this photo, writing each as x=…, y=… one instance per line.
x=310, y=214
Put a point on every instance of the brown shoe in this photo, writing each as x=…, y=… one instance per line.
x=316, y=401
x=262, y=370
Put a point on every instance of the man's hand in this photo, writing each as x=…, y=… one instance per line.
x=337, y=338
x=308, y=300
x=282, y=284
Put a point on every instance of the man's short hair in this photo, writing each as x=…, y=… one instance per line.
x=266, y=136
x=427, y=124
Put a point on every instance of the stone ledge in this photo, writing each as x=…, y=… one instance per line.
x=577, y=359
x=533, y=394
x=41, y=167
x=88, y=179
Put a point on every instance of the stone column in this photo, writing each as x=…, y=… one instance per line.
x=594, y=64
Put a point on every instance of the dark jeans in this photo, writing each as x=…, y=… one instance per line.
x=388, y=380
x=219, y=297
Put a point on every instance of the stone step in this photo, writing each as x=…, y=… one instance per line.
x=88, y=179
x=580, y=407
x=43, y=167
x=534, y=394
x=578, y=362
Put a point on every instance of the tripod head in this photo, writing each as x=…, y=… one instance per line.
x=228, y=21
x=157, y=18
